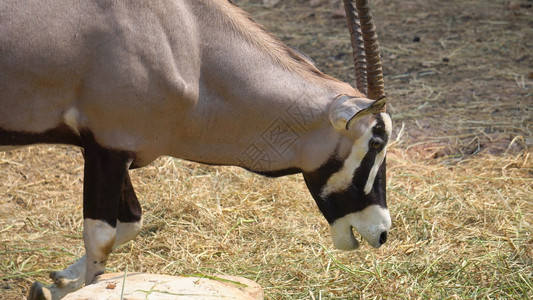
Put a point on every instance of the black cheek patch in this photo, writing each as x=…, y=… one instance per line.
x=380, y=185
x=354, y=199
x=316, y=181
x=337, y=205
x=340, y=204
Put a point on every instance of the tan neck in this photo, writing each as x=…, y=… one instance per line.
x=260, y=105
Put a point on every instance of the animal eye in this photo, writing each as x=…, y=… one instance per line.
x=375, y=143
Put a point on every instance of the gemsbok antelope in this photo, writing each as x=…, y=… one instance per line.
x=129, y=81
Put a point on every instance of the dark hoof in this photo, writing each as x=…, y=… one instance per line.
x=39, y=292
x=57, y=279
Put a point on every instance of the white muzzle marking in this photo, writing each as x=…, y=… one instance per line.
x=371, y=222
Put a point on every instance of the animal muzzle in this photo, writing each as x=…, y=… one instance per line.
x=373, y=223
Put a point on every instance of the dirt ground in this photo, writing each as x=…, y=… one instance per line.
x=459, y=79
x=458, y=73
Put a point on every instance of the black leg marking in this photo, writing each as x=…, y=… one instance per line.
x=104, y=177
x=105, y=174
x=129, y=209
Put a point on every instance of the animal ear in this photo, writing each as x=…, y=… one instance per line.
x=345, y=110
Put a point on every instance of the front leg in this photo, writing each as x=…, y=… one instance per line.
x=105, y=171
x=72, y=278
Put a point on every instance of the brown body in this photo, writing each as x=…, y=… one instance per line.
x=129, y=81
x=149, y=78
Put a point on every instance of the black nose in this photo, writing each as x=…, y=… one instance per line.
x=383, y=238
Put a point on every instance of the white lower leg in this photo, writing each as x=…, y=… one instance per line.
x=126, y=231
x=72, y=278
x=99, y=238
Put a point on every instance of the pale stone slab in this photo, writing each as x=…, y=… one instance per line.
x=141, y=286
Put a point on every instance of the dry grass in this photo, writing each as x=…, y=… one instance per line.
x=460, y=184
x=459, y=231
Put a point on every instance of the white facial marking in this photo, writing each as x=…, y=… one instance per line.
x=388, y=122
x=371, y=222
x=341, y=180
x=373, y=172
x=379, y=158
x=71, y=117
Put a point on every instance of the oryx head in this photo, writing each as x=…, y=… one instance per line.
x=349, y=187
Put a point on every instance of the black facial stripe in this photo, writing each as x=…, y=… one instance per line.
x=360, y=176
x=339, y=204
x=380, y=184
x=379, y=129
x=362, y=173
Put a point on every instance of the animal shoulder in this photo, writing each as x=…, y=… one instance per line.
x=227, y=14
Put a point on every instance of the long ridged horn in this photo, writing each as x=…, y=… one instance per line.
x=365, y=45
x=358, y=48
